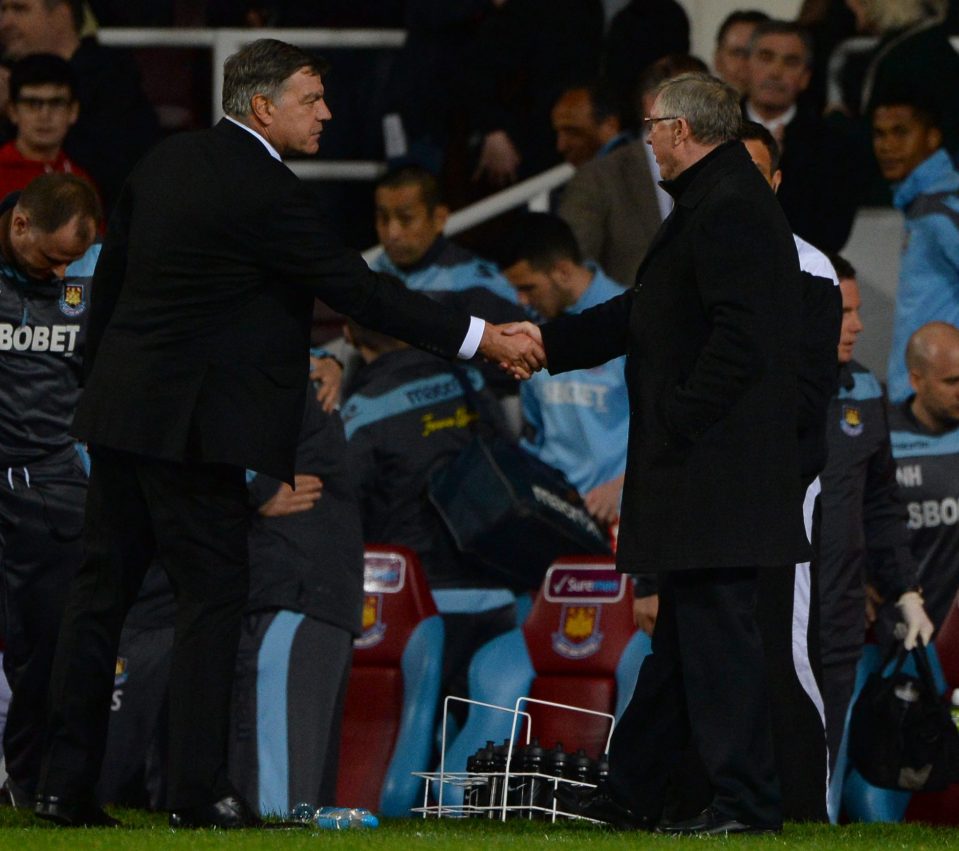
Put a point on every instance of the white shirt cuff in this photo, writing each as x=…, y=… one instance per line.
x=473, y=338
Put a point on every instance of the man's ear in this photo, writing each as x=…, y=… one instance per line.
x=441, y=214
x=806, y=77
x=934, y=138
x=262, y=109
x=19, y=221
x=777, y=179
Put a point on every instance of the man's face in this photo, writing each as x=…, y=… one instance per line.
x=405, y=225
x=851, y=323
x=43, y=115
x=937, y=384
x=578, y=135
x=731, y=59
x=901, y=141
x=759, y=154
x=536, y=289
x=778, y=72
x=298, y=114
x=47, y=255
x=661, y=137
x=25, y=27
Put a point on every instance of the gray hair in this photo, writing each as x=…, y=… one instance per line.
x=262, y=68
x=887, y=15
x=710, y=106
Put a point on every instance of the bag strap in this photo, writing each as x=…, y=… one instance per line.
x=897, y=652
x=921, y=654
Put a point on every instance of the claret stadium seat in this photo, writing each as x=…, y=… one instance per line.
x=578, y=646
x=391, y=699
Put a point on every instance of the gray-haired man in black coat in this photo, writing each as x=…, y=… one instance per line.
x=712, y=493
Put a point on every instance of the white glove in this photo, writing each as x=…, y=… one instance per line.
x=916, y=619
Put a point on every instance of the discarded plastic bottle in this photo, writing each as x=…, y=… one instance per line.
x=303, y=812
x=344, y=818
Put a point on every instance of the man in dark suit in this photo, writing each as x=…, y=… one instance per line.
x=196, y=370
x=712, y=495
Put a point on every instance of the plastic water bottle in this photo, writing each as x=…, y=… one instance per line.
x=344, y=818
x=303, y=812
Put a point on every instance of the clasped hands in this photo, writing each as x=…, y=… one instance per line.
x=516, y=346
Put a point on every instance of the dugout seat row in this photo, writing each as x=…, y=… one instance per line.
x=577, y=646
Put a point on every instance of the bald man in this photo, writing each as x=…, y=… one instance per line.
x=925, y=444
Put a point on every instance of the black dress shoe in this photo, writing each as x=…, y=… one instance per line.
x=711, y=822
x=599, y=805
x=227, y=813
x=83, y=813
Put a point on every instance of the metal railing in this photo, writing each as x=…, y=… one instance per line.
x=224, y=42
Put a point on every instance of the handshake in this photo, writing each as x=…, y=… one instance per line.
x=516, y=346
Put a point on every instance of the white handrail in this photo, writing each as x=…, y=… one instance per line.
x=534, y=193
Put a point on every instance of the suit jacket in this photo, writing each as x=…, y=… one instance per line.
x=199, y=329
x=611, y=206
x=711, y=334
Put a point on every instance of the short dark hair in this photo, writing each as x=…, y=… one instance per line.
x=41, y=69
x=603, y=100
x=923, y=106
x=740, y=16
x=844, y=269
x=52, y=200
x=261, y=68
x=754, y=131
x=542, y=240
x=414, y=175
x=776, y=27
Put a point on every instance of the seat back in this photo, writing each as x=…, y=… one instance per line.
x=577, y=636
x=578, y=646
x=391, y=698
x=947, y=644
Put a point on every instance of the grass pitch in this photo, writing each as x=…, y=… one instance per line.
x=20, y=831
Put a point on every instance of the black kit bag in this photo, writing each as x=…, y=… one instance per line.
x=512, y=512
x=901, y=735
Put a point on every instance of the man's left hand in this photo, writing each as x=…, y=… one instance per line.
x=603, y=500
x=517, y=347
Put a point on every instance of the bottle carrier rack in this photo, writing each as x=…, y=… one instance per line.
x=511, y=794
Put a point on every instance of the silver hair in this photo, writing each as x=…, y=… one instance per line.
x=262, y=68
x=710, y=106
x=887, y=15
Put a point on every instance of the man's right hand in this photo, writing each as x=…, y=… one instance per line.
x=645, y=612
x=287, y=501
x=517, y=347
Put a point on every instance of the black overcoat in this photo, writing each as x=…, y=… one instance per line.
x=711, y=334
x=202, y=303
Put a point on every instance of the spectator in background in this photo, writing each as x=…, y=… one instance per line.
x=731, y=58
x=639, y=34
x=817, y=193
x=116, y=123
x=577, y=422
x=912, y=61
x=410, y=412
x=907, y=139
x=615, y=204
x=587, y=124
x=925, y=443
x=862, y=522
x=526, y=52
x=42, y=108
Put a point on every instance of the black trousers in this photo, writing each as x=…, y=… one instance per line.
x=41, y=517
x=195, y=518
x=704, y=686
